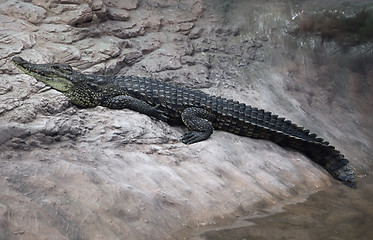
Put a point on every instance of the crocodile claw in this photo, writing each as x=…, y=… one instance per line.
x=159, y=114
x=193, y=137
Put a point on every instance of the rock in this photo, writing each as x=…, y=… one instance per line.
x=76, y=15
x=130, y=56
x=118, y=14
x=93, y=52
x=198, y=8
x=97, y=5
x=161, y=60
x=64, y=53
x=122, y=30
x=61, y=33
x=160, y=3
x=150, y=20
x=23, y=10
x=185, y=26
x=15, y=42
x=148, y=45
x=196, y=33
x=127, y=4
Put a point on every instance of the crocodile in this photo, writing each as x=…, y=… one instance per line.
x=201, y=113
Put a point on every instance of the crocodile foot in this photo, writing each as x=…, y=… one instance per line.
x=158, y=114
x=194, y=136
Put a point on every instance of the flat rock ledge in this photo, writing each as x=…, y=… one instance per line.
x=70, y=173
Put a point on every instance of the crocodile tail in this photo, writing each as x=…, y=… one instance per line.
x=288, y=134
x=315, y=148
x=332, y=160
x=257, y=123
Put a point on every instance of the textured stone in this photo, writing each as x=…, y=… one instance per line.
x=64, y=53
x=130, y=56
x=161, y=60
x=23, y=10
x=13, y=42
x=127, y=4
x=161, y=3
x=97, y=5
x=122, y=30
x=198, y=8
x=118, y=14
x=185, y=26
x=149, y=44
x=73, y=15
x=151, y=20
x=93, y=52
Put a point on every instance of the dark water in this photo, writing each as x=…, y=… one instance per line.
x=337, y=214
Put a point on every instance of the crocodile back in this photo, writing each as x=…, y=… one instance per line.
x=170, y=98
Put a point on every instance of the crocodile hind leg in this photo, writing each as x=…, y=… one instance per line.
x=198, y=122
x=124, y=101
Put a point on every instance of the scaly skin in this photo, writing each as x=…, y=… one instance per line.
x=200, y=112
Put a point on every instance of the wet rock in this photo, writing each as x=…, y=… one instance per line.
x=348, y=24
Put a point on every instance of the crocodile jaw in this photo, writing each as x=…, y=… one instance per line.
x=53, y=75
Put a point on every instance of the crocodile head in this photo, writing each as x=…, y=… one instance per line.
x=59, y=76
x=63, y=78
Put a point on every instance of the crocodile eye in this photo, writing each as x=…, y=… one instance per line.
x=68, y=68
x=93, y=85
x=63, y=68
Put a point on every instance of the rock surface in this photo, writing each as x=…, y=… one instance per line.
x=69, y=173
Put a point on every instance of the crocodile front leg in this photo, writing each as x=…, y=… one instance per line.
x=124, y=101
x=198, y=122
